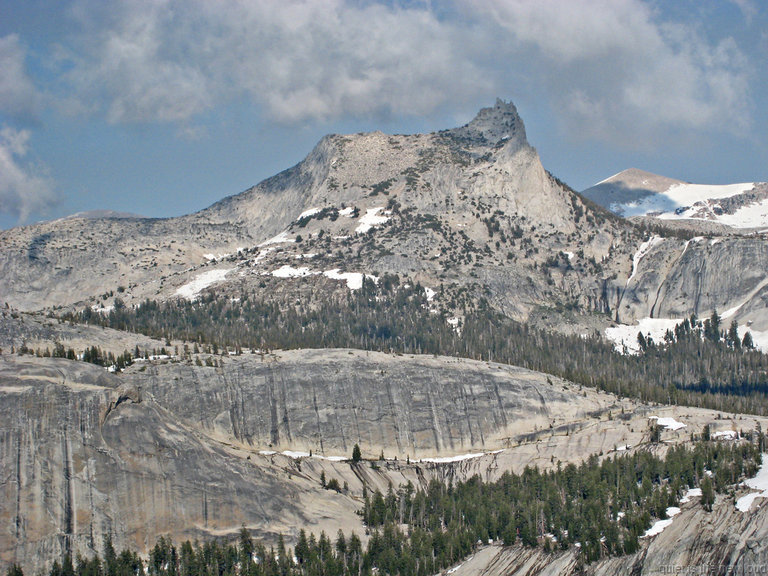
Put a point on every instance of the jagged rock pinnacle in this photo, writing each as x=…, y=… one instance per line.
x=496, y=123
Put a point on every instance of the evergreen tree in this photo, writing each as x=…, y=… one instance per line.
x=733, y=335
x=712, y=327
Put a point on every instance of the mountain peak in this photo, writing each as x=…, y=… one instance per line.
x=636, y=178
x=493, y=124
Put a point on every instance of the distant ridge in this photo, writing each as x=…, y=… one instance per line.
x=635, y=192
x=96, y=214
x=628, y=186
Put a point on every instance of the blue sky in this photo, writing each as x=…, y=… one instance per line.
x=162, y=107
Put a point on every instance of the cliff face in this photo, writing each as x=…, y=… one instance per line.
x=678, y=278
x=326, y=401
x=172, y=448
x=471, y=208
x=84, y=456
x=724, y=541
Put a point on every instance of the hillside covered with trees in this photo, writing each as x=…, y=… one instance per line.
x=698, y=364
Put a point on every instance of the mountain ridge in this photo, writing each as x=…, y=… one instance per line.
x=468, y=210
x=205, y=434
x=467, y=191
x=636, y=193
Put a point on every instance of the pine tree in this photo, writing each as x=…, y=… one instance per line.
x=356, y=454
x=733, y=336
x=707, y=494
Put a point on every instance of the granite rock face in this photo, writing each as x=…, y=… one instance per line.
x=84, y=455
x=724, y=541
x=172, y=448
x=189, y=451
x=326, y=401
x=678, y=278
x=470, y=208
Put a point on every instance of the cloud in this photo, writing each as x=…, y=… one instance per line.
x=169, y=61
x=24, y=188
x=612, y=70
x=127, y=61
x=748, y=9
x=616, y=72
x=18, y=96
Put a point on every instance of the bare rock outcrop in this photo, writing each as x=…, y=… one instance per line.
x=677, y=278
x=172, y=448
x=724, y=541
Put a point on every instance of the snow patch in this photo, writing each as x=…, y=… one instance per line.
x=308, y=213
x=370, y=220
x=726, y=435
x=213, y=257
x=642, y=251
x=459, y=458
x=281, y=238
x=759, y=482
x=661, y=525
x=348, y=212
x=291, y=272
x=759, y=339
x=429, y=293
x=295, y=454
x=354, y=280
x=691, y=493
x=192, y=289
x=625, y=335
x=668, y=423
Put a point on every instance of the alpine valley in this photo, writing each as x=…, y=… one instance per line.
x=425, y=347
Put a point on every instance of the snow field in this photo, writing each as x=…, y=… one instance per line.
x=626, y=335
x=759, y=482
x=192, y=289
x=668, y=423
x=370, y=220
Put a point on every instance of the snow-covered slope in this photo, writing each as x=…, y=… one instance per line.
x=638, y=193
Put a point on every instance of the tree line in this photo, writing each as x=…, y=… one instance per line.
x=698, y=364
x=601, y=508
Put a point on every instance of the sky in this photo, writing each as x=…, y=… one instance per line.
x=162, y=107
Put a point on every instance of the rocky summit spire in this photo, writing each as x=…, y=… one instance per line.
x=494, y=124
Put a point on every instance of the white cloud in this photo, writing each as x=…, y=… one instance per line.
x=615, y=72
x=612, y=70
x=18, y=96
x=748, y=8
x=24, y=188
x=128, y=60
x=316, y=59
